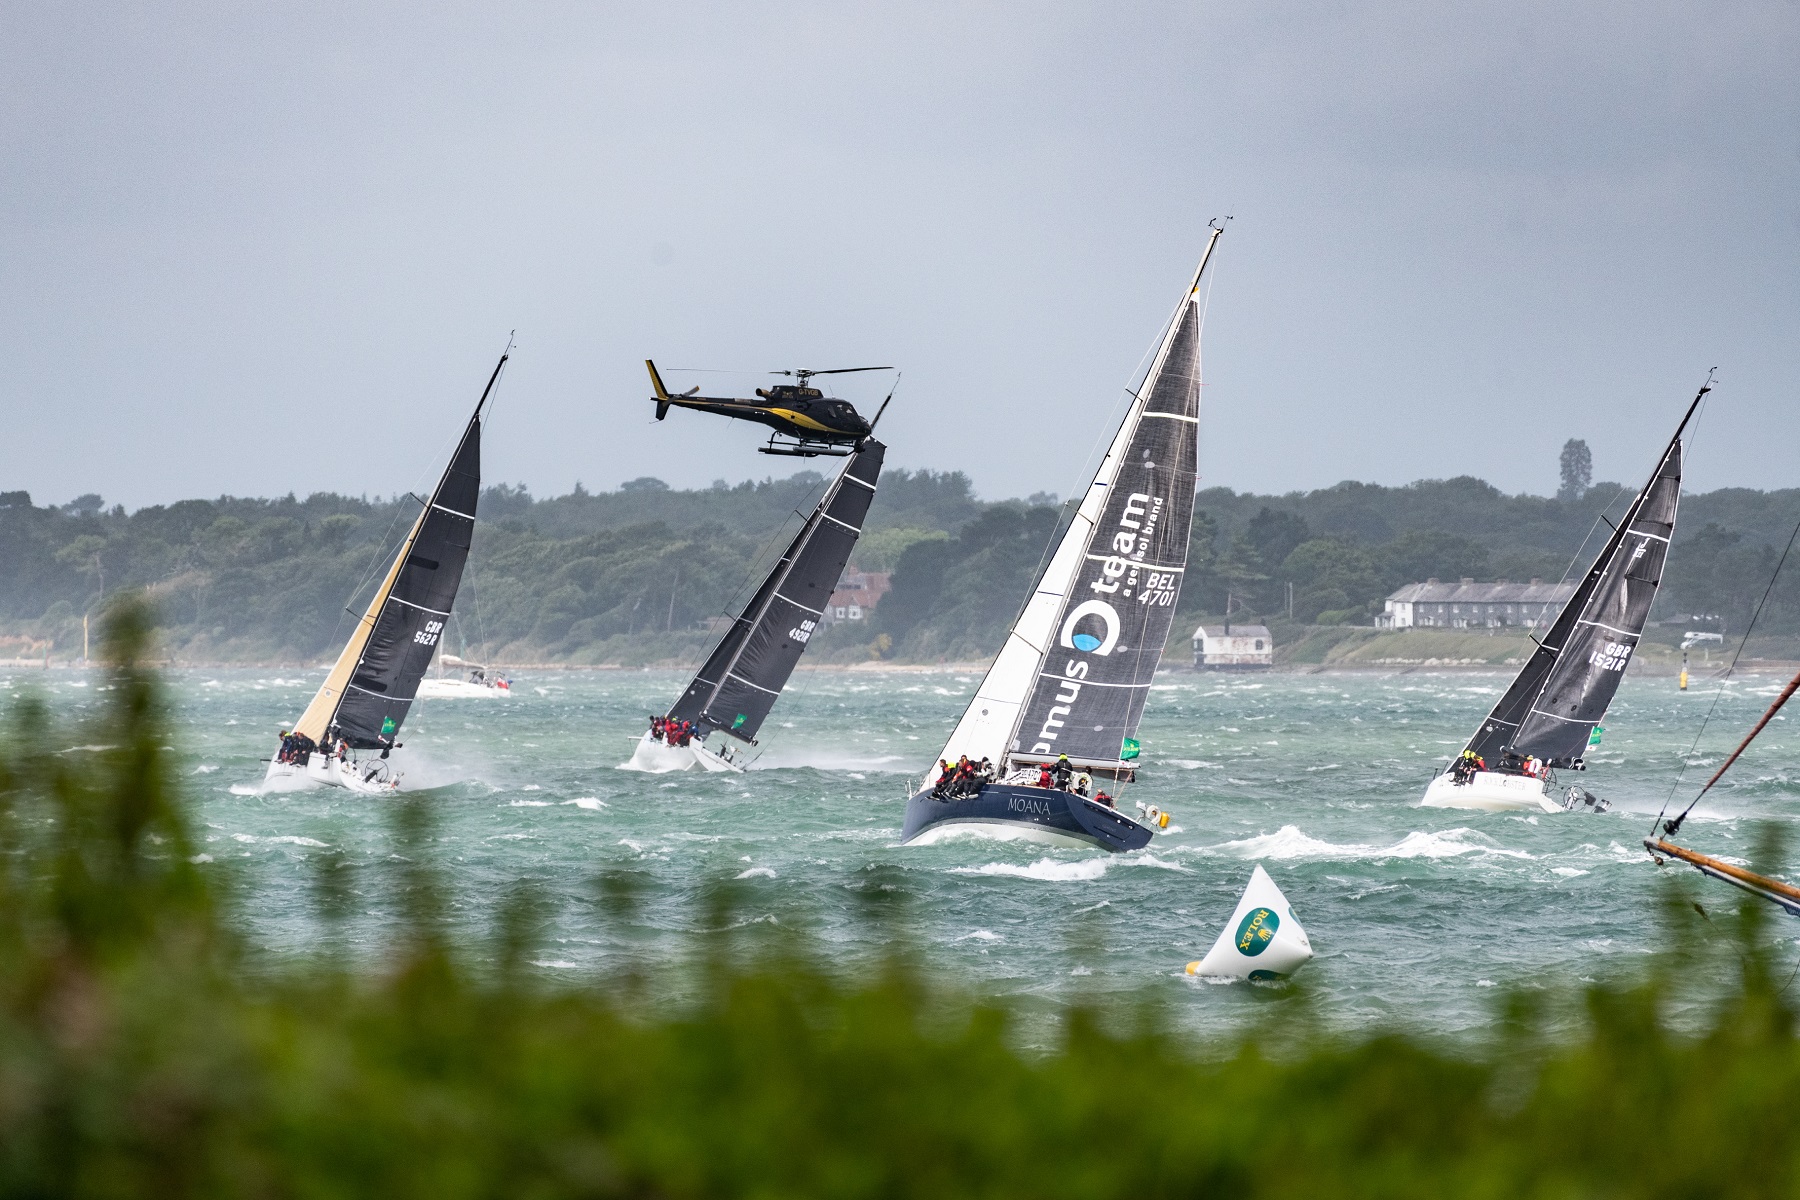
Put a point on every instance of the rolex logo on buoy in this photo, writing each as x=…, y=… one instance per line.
x=1256, y=931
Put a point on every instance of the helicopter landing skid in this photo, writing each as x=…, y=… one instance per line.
x=806, y=449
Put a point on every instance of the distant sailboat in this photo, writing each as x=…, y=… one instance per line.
x=1076, y=668
x=478, y=686
x=344, y=736
x=1547, y=719
x=746, y=672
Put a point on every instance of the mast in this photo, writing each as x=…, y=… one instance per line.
x=1074, y=672
x=370, y=687
x=737, y=686
x=1563, y=691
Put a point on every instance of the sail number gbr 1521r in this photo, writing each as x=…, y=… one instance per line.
x=428, y=636
x=1158, y=589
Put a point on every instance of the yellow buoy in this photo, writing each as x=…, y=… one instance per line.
x=1193, y=968
x=1684, y=679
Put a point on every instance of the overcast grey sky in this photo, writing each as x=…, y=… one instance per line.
x=255, y=248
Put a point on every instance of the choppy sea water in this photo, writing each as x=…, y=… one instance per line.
x=1415, y=914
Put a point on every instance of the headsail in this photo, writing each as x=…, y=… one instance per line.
x=1563, y=691
x=366, y=695
x=1076, y=668
x=743, y=676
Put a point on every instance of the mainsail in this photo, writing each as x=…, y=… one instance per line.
x=1076, y=668
x=1551, y=709
x=366, y=695
x=744, y=675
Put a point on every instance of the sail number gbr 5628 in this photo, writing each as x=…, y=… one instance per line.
x=428, y=636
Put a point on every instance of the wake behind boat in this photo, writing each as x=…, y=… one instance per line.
x=1551, y=714
x=1064, y=697
x=744, y=675
x=345, y=735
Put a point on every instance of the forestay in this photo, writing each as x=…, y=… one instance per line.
x=1076, y=668
x=744, y=675
x=1551, y=708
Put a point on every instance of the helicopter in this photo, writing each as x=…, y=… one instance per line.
x=807, y=423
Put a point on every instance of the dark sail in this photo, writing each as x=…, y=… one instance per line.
x=1109, y=633
x=1563, y=692
x=744, y=675
x=411, y=619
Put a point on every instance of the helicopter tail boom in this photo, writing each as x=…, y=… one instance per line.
x=662, y=393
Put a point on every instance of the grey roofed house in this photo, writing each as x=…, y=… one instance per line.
x=1468, y=604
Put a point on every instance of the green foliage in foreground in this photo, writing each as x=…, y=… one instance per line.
x=141, y=1055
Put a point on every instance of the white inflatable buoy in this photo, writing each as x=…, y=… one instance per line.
x=1261, y=941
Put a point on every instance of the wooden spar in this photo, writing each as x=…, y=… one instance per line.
x=1774, y=708
x=1773, y=890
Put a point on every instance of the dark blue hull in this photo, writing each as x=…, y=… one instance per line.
x=1032, y=811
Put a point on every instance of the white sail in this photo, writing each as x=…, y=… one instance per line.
x=990, y=724
x=987, y=725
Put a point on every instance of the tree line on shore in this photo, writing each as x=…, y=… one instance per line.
x=150, y=1048
x=635, y=575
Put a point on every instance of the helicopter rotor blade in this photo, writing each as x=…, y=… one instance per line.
x=839, y=371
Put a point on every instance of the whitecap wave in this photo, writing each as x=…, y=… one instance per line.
x=283, y=839
x=1289, y=842
x=756, y=873
x=1047, y=869
x=591, y=803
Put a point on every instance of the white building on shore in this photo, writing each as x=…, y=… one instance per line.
x=1471, y=605
x=1233, y=648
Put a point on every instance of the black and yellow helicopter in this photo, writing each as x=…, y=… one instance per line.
x=815, y=423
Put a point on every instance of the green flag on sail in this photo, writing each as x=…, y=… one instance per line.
x=1594, y=735
x=1129, y=750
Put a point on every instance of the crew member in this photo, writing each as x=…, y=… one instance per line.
x=945, y=774
x=1062, y=771
x=1044, y=780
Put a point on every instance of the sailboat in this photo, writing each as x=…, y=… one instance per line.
x=1549, y=717
x=1786, y=895
x=345, y=735
x=738, y=685
x=478, y=686
x=1075, y=671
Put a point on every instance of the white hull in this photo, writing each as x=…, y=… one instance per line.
x=459, y=689
x=323, y=771
x=1490, y=791
x=659, y=758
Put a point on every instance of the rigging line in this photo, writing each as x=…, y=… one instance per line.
x=753, y=575
x=1103, y=439
x=380, y=554
x=1675, y=825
